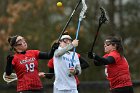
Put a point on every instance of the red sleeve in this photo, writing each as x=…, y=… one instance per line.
x=115, y=55
x=78, y=55
x=13, y=61
x=77, y=80
x=106, y=55
x=36, y=52
x=50, y=63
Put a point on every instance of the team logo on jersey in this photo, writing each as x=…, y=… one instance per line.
x=68, y=59
x=27, y=60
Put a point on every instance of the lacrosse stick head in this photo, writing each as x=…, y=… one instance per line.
x=103, y=17
x=83, y=11
x=9, y=78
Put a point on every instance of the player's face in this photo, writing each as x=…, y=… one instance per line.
x=108, y=47
x=21, y=44
x=65, y=42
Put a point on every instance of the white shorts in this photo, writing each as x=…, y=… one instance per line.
x=55, y=90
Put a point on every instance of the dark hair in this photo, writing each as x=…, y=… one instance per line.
x=115, y=40
x=12, y=40
x=55, y=41
x=66, y=33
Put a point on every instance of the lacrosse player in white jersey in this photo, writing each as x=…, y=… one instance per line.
x=64, y=72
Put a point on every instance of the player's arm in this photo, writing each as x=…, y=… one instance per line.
x=48, y=55
x=103, y=61
x=62, y=51
x=45, y=55
x=78, y=69
x=83, y=63
x=9, y=66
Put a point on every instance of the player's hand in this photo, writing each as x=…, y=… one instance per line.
x=72, y=71
x=55, y=46
x=41, y=74
x=91, y=55
x=75, y=43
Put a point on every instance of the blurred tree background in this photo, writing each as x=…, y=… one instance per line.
x=41, y=22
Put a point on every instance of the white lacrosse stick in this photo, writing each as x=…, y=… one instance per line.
x=11, y=78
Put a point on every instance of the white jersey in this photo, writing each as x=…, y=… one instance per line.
x=61, y=68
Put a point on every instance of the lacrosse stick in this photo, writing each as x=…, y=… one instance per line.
x=64, y=29
x=11, y=78
x=102, y=20
x=49, y=74
x=78, y=29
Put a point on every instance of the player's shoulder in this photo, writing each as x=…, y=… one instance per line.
x=32, y=51
x=113, y=53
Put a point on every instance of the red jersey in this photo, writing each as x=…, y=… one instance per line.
x=50, y=65
x=26, y=68
x=118, y=73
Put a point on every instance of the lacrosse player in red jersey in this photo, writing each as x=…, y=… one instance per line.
x=25, y=64
x=116, y=66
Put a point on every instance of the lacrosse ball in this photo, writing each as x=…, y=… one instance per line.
x=59, y=4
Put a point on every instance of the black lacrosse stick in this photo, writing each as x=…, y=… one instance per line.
x=102, y=20
x=103, y=17
x=70, y=18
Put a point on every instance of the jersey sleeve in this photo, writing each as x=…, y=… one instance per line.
x=105, y=56
x=36, y=53
x=13, y=61
x=77, y=80
x=78, y=55
x=115, y=55
x=50, y=63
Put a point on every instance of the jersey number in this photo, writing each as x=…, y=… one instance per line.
x=30, y=67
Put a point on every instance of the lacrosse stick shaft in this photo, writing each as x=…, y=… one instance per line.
x=97, y=32
x=81, y=16
x=69, y=20
x=77, y=33
x=102, y=20
x=49, y=74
